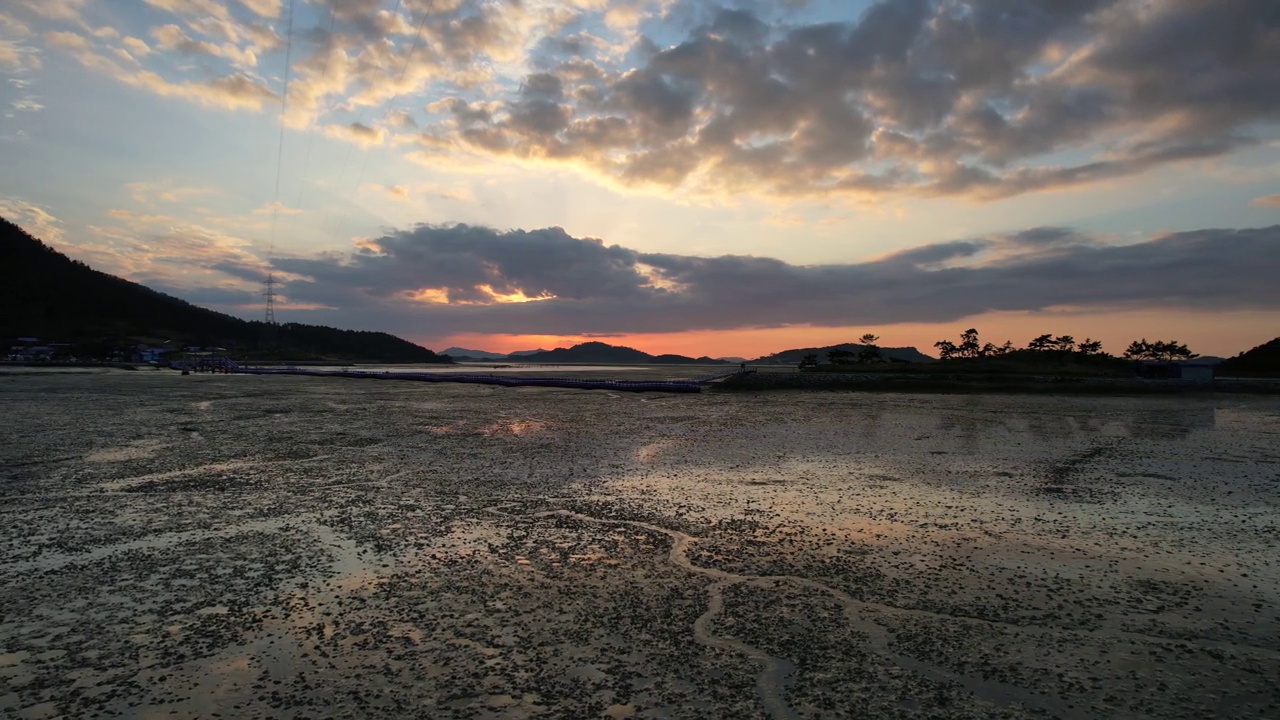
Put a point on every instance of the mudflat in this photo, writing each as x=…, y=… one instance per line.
x=289, y=547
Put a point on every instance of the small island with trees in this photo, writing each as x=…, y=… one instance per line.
x=1047, y=363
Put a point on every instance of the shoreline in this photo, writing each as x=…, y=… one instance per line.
x=993, y=384
x=74, y=364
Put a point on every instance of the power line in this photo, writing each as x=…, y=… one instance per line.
x=346, y=160
x=386, y=105
x=311, y=136
x=270, y=292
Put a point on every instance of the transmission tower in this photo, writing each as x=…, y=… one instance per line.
x=270, y=294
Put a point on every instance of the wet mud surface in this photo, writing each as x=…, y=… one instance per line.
x=237, y=546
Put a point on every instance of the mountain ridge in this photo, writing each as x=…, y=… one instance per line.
x=49, y=295
x=460, y=352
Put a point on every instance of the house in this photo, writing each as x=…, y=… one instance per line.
x=1197, y=370
x=23, y=349
x=31, y=353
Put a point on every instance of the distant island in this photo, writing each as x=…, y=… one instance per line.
x=588, y=353
x=459, y=353
x=797, y=356
x=56, y=305
x=1048, y=364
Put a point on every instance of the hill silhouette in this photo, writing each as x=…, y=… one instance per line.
x=48, y=295
x=793, y=357
x=466, y=353
x=1262, y=361
x=598, y=352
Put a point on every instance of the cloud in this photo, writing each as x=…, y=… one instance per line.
x=15, y=57
x=374, y=55
x=276, y=207
x=236, y=91
x=136, y=47
x=1266, y=201
x=443, y=279
x=194, y=8
x=397, y=192
x=215, y=20
x=981, y=99
x=172, y=37
x=214, y=296
x=265, y=8
x=401, y=119
x=922, y=97
x=63, y=10
x=159, y=249
x=66, y=40
x=33, y=218
x=232, y=92
x=405, y=193
x=937, y=253
x=168, y=191
x=13, y=27
x=357, y=132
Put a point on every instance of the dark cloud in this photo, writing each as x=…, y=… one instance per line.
x=599, y=288
x=1048, y=236
x=367, y=17
x=466, y=113
x=209, y=296
x=739, y=24
x=459, y=258
x=240, y=270
x=940, y=252
x=932, y=97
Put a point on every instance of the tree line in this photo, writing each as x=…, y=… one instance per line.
x=971, y=346
x=870, y=353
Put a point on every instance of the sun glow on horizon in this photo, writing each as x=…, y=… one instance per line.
x=1220, y=337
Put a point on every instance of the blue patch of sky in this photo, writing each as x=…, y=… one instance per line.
x=689, y=16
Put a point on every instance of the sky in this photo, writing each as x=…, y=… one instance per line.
x=721, y=177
